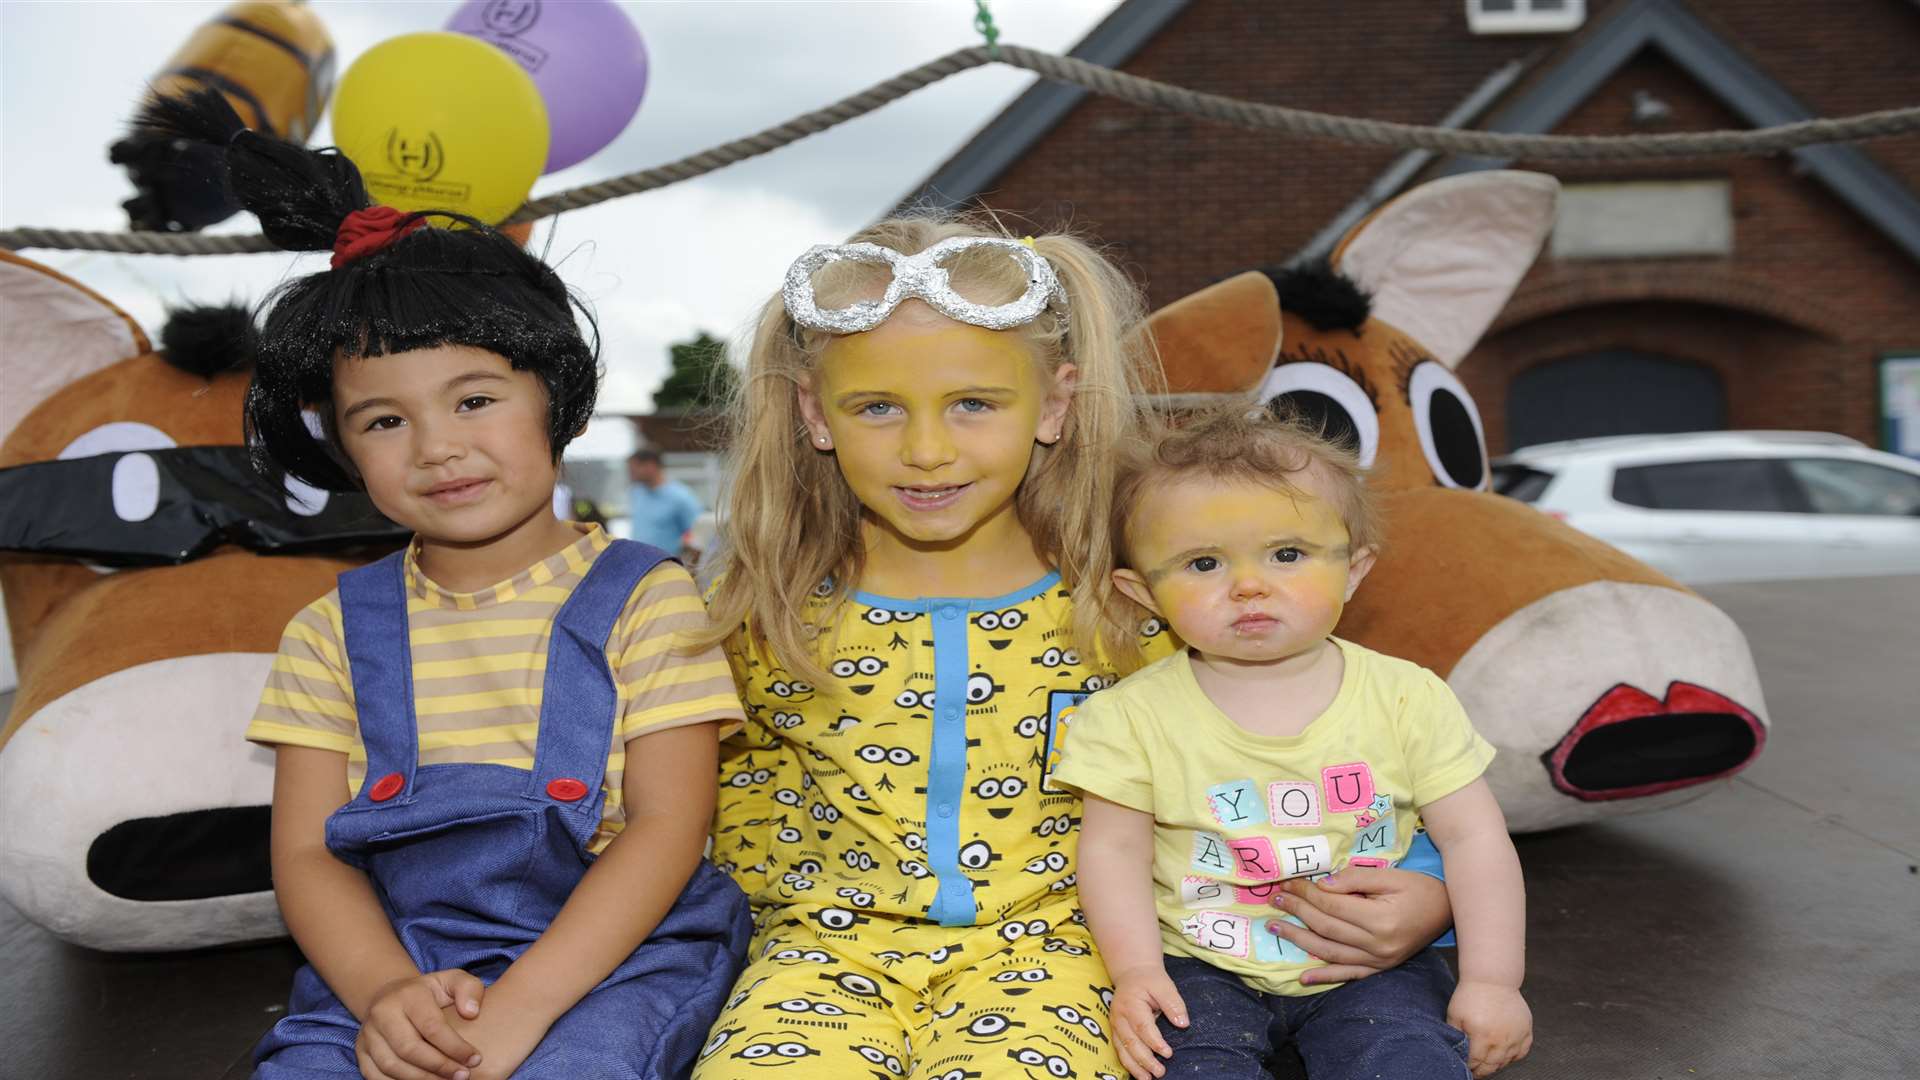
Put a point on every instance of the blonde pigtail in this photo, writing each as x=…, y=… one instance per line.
x=1067, y=501
x=791, y=521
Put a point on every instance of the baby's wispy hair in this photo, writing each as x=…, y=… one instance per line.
x=1238, y=444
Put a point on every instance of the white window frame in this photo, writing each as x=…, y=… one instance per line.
x=1525, y=19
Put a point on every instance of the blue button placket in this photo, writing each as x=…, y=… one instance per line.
x=953, y=903
x=947, y=765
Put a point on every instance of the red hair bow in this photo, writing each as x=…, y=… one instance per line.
x=367, y=231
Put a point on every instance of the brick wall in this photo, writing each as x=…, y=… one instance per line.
x=1793, y=320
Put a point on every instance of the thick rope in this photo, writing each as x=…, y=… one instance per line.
x=1491, y=144
x=773, y=138
x=1107, y=82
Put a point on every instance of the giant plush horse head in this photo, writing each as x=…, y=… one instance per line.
x=151, y=572
x=1606, y=687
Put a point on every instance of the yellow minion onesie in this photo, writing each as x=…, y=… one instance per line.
x=911, y=871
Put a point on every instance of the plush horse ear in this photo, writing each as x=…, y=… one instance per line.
x=53, y=330
x=1220, y=340
x=1442, y=260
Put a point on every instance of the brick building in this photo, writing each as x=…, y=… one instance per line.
x=1676, y=295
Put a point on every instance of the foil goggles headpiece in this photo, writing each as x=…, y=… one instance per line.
x=923, y=277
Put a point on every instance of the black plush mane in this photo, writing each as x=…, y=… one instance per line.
x=1323, y=296
x=206, y=340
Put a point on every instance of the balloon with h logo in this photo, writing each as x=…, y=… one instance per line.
x=440, y=121
x=585, y=56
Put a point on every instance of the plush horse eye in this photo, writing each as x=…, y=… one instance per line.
x=1328, y=399
x=1451, y=435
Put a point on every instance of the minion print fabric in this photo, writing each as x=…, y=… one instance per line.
x=911, y=871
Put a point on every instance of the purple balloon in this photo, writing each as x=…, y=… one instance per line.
x=584, y=55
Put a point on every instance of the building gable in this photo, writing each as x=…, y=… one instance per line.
x=1750, y=93
x=1552, y=90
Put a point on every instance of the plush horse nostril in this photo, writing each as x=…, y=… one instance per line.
x=190, y=856
x=1652, y=753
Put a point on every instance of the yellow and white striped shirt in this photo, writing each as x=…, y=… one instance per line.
x=479, y=663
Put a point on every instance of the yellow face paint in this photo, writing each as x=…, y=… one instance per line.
x=1243, y=571
x=933, y=422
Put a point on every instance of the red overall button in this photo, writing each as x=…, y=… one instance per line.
x=387, y=787
x=567, y=789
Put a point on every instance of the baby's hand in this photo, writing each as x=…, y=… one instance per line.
x=1498, y=1024
x=405, y=1034
x=1139, y=995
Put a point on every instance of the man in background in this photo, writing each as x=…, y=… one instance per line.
x=660, y=508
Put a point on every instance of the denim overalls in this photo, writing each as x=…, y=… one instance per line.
x=472, y=862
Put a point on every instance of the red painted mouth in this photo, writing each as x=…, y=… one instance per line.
x=1631, y=744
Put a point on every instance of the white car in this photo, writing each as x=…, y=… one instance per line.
x=1730, y=505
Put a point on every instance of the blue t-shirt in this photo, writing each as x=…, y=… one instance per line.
x=661, y=515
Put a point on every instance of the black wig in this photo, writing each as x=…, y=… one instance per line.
x=468, y=286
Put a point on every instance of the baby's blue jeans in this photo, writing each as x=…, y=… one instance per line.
x=1391, y=1025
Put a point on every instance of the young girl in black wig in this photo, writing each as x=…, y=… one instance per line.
x=494, y=763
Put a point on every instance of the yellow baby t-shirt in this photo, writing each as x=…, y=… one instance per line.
x=1237, y=813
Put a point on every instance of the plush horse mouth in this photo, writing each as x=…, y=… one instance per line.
x=1630, y=744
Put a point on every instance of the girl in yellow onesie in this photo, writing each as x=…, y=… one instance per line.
x=923, y=453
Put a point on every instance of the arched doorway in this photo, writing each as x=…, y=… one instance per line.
x=1616, y=392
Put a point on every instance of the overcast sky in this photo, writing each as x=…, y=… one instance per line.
x=656, y=267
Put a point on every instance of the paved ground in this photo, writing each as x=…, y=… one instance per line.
x=1770, y=929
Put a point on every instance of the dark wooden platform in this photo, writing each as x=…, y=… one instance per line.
x=1770, y=929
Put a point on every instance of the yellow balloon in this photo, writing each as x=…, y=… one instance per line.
x=442, y=121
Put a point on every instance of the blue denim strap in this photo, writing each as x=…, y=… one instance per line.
x=578, y=701
x=373, y=617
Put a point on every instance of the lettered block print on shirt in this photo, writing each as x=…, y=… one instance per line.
x=1201, y=892
x=1381, y=836
x=1293, y=803
x=1349, y=787
x=1267, y=861
x=1253, y=858
x=1269, y=947
x=1305, y=857
x=1265, y=892
x=1234, y=804
x=1221, y=931
x=1210, y=854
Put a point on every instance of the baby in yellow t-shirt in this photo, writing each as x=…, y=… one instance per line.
x=1268, y=750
